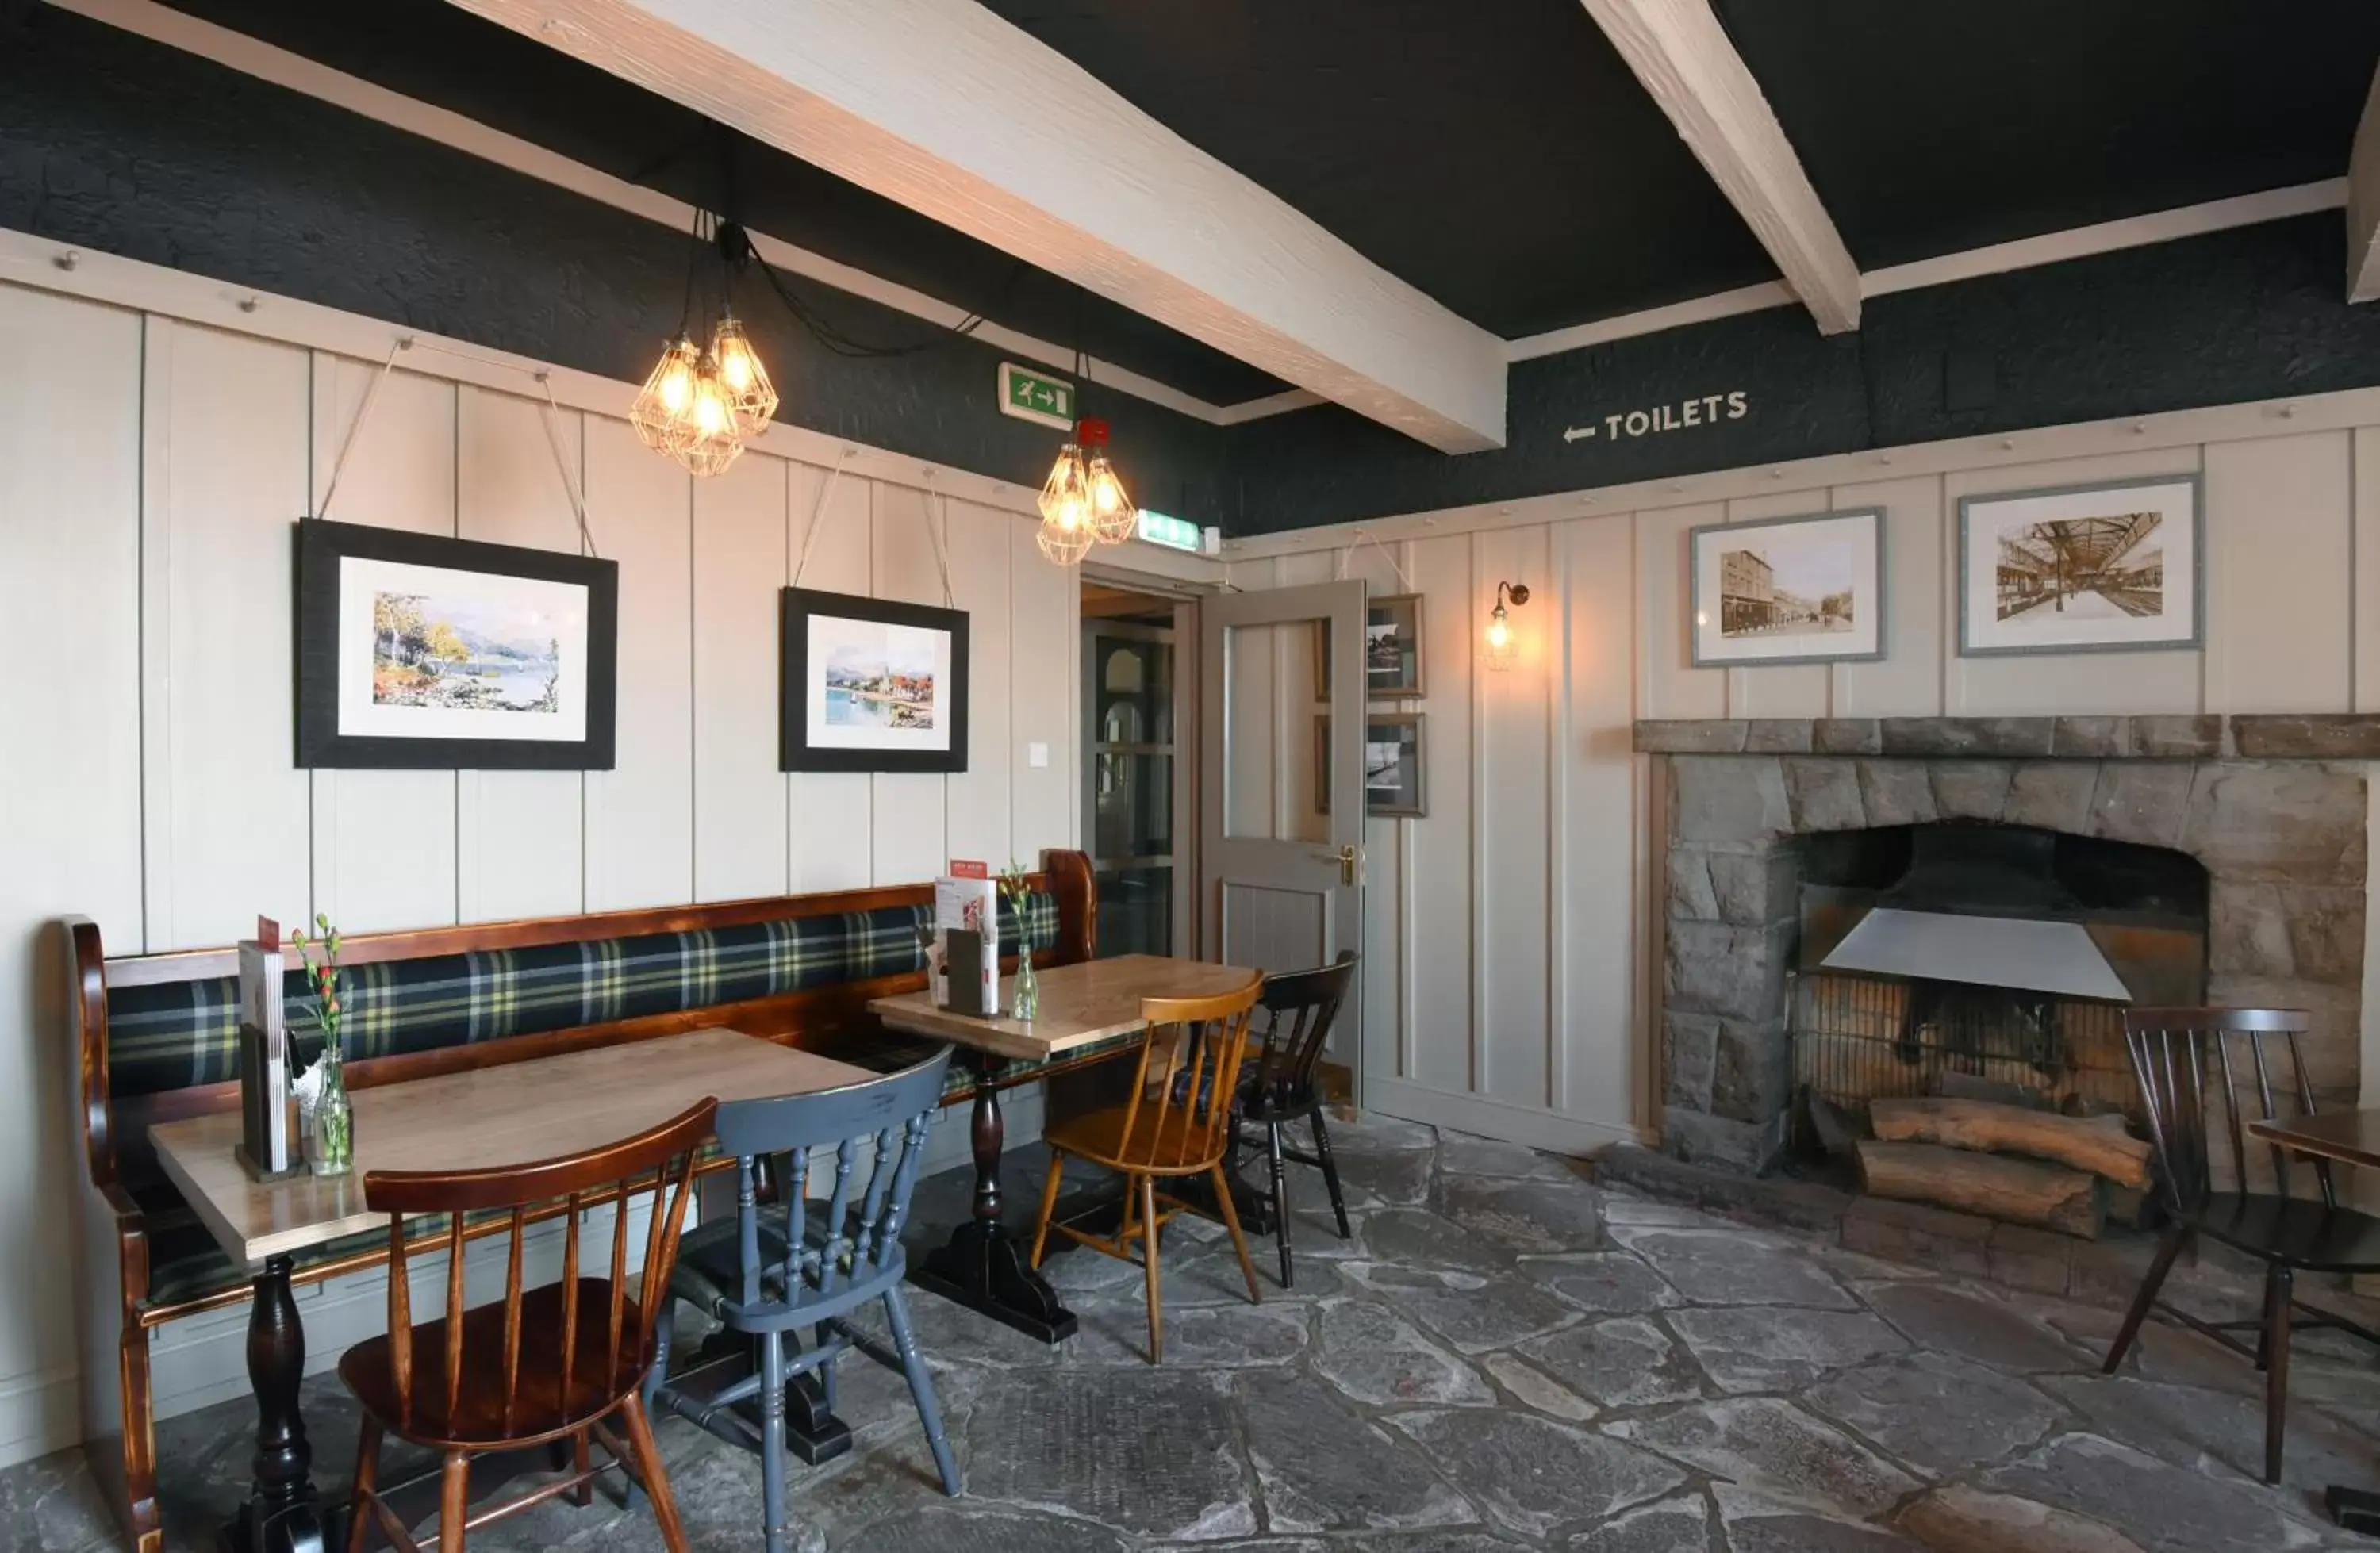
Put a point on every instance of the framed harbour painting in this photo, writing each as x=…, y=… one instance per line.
x=869, y=685
x=2112, y=567
x=1788, y=590
x=416, y=651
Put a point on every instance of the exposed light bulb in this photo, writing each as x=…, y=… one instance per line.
x=1067, y=532
x=660, y=411
x=749, y=393
x=1499, y=632
x=715, y=441
x=1501, y=643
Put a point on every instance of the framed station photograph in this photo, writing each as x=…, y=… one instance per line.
x=869, y=685
x=1393, y=765
x=415, y=651
x=2112, y=567
x=1788, y=590
x=1391, y=649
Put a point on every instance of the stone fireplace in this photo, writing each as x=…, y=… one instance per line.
x=2273, y=809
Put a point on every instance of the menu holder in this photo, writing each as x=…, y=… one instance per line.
x=268, y=1149
x=969, y=990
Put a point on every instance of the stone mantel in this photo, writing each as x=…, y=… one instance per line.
x=2254, y=736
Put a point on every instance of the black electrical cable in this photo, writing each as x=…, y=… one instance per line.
x=735, y=249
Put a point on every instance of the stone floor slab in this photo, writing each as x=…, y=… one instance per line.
x=1535, y=1390
x=1326, y=1469
x=1759, y=1525
x=1953, y=1320
x=1942, y=1415
x=1732, y=1266
x=1625, y=1361
x=1679, y=1526
x=1474, y=1312
x=1533, y=1474
x=1378, y=1357
x=1959, y=1519
x=1606, y=1282
x=1778, y=1348
x=2162, y=1508
x=1772, y=1448
x=1153, y=1452
x=1463, y=1154
x=1525, y=1215
x=1418, y=1237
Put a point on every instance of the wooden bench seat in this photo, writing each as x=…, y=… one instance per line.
x=155, y=1038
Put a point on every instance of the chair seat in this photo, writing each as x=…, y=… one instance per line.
x=1158, y=1145
x=2293, y=1231
x=601, y=1377
x=1285, y=1102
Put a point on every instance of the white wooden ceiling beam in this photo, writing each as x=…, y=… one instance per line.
x=2364, y=202
x=1683, y=57
x=943, y=106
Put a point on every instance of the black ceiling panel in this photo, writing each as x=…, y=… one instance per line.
x=444, y=55
x=1930, y=126
x=1499, y=154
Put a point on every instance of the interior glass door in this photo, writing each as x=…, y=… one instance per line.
x=1130, y=782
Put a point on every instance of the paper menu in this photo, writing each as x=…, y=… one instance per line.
x=971, y=904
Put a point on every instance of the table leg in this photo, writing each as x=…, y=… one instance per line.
x=283, y=1514
x=982, y=1266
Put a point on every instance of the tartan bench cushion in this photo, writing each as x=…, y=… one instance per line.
x=177, y=1034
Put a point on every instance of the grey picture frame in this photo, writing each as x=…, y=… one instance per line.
x=1419, y=809
x=1389, y=604
x=1698, y=659
x=2197, y=638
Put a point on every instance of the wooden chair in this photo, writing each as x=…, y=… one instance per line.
x=782, y=1267
x=1301, y=1007
x=1176, y=1123
x=549, y=1364
x=2190, y=1061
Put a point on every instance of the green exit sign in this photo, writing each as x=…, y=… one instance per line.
x=1031, y=396
x=1173, y=533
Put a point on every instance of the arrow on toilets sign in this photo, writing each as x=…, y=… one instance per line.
x=1681, y=415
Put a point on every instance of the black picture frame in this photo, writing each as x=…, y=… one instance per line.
x=795, y=751
x=321, y=547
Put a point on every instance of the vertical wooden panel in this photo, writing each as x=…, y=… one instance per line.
x=910, y=820
x=2280, y=574
x=1253, y=758
x=1510, y=812
x=1906, y=681
x=1785, y=690
x=641, y=813
x=1672, y=686
x=739, y=795
x=2365, y=455
x=977, y=800
x=1380, y=1011
x=1599, y=821
x=1045, y=649
x=2061, y=682
x=1440, y=885
x=1297, y=810
x=519, y=833
x=384, y=840
x=223, y=449
x=69, y=779
x=829, y=825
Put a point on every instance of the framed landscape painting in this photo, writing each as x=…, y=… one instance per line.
x=416, y=651
x=2111, y=567
x=871, y=686
x=1393, y=765
x=1788, y=590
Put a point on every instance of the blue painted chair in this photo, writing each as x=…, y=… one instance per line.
x=798, y=1265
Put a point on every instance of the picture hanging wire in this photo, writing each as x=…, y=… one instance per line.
x=1365, y=536
x=817, y=515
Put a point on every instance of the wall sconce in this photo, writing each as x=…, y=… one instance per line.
x=1500, y=652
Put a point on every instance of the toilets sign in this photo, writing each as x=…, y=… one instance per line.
x=1682, y=415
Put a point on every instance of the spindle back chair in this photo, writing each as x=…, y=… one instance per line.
x=1299, y=1008
x=1175, y=1121
x=554, y=1362
x=800, y=1262
x=2193, y=1063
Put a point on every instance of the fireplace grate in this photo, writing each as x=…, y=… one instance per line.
x=1856, y=1039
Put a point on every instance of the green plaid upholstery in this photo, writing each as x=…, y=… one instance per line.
x=176, y=1035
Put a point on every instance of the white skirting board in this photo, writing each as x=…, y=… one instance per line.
x=203, y=1360
x=1547, y=1130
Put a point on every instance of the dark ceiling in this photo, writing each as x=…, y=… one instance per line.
x=1946, y=125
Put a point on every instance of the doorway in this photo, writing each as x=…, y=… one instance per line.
x=1138, y=732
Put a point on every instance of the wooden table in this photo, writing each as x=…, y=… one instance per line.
x=513, y=1113
x=982, y=1267
x=2351, y=1137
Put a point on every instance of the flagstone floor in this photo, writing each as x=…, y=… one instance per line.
x=1502, y=1358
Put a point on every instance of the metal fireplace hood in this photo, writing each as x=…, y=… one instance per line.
x=2029, y=954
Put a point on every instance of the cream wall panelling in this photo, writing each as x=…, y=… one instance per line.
x=739, y=794
x=913, y=827
x=831, y=815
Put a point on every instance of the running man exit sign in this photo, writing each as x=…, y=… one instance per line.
x=1031, y=396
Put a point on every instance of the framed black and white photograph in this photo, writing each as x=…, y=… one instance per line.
x=871, y=686
x=1805, y=589
x=2111, y=567
x=415, y=651
x=1391, y=649
x=1393, y=765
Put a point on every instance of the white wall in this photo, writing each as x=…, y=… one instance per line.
x=1504, y=978
x=150, y=472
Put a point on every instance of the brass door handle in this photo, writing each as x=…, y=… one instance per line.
x=1346, y=857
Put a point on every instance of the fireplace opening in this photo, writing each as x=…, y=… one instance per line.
x=1980, y=961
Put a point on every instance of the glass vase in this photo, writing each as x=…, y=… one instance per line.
x=1024, y=995
x=331, y=1133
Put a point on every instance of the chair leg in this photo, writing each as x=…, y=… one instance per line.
x=360, y=1517
x=818, y=1336
x=454, y=1501
x=2279, y=1290
x=1329, y=1172
x=632, y=1498
x=773, y=1441
x=1279, y=1197
x=649, y=1465
x=922, y=1388
x=2176, y=1238
x=1148, y=1257
x=1049, y=1204
x=1239, y=1241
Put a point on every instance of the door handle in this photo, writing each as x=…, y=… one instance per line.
x=1347, y=857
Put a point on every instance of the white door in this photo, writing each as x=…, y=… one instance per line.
x=1282, y=790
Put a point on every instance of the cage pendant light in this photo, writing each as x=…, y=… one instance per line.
x=1067, y=531
x=663, y=411
x=750, y=393
x=1113, y=519
x=715, y=440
